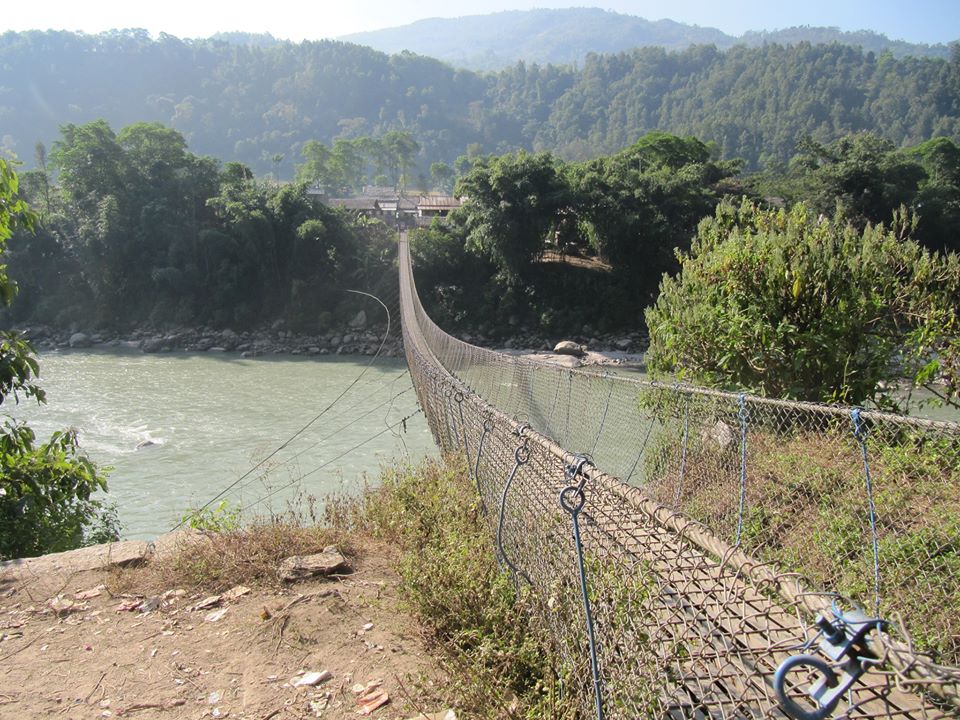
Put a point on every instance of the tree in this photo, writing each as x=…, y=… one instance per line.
x=514, y=201
x=46, y=502
x=938, y=199
x=779, y=303
x=442, y=176
x=861, y=175
x=639, y=205
x=399, y=149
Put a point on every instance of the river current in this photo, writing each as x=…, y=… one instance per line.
x=179, y=428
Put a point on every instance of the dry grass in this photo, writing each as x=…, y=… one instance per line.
x=215, y=562
x=807, y=511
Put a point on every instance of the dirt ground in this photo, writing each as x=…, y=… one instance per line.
x=73, y=646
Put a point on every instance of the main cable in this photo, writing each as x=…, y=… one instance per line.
x=302, y=430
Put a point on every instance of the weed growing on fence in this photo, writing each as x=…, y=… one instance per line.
x=450, y=579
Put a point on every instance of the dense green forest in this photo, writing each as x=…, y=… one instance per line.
x=263, y=102
x=135, y=228
x=637, y=209
x=138, y=230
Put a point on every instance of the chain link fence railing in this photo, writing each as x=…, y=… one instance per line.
x=701, y=554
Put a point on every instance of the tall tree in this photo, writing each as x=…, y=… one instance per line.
x=513, y=202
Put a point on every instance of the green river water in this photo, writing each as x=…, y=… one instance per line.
x=203, y=420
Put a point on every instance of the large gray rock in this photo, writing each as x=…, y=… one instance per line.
x=79, y=340
x=152, y=345
x=301, y=567
x=568, y=347
x=359, y=321
x=117, y=554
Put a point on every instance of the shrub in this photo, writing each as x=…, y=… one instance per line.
x=788, y=305
x=46, y=495
x=46, y=491
x=451, y=581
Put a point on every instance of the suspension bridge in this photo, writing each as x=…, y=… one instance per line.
x=700, y=554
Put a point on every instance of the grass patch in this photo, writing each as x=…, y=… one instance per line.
x=807, y=511
x=500, y=665
x=217, y=561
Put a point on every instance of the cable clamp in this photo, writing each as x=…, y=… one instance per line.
x=844, y=641
x=571, y=472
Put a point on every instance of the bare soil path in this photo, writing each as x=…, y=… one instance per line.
x=78, y=643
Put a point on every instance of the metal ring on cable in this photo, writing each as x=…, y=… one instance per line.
x=789, y=705
x=581, y=499
x=458, y=397
x=522, y=453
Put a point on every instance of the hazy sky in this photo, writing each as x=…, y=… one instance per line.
x=916, y=20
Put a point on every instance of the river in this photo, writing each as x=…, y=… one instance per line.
x=179, y=428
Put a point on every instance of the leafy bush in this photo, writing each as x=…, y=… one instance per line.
x=46, y=491
x=221, y=518
x=789, y=305
x=46, y=495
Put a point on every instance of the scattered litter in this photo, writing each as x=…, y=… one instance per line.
x=129, y=605
x=90, y=594
x=171, y=594
x=368, y=627
x=216, y=615
x=372, y=700
x=265, y=614
x=236, y=592
x=61, y=605
x=149, y=605
x=214, y=697
x=207, y=603
x=361, y=689
x=319, y=705
x=312, y=679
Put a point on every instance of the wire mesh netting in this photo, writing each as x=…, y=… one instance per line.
x=721, y=535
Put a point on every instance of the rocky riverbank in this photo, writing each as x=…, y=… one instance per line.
x=355, y=338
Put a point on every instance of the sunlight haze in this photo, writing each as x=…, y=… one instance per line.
x=928, y=21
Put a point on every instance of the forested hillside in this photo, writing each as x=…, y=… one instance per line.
x=566, y=36
x=260, y=104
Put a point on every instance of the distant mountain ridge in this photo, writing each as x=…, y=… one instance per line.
x=256, y=102
x=566, y=37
